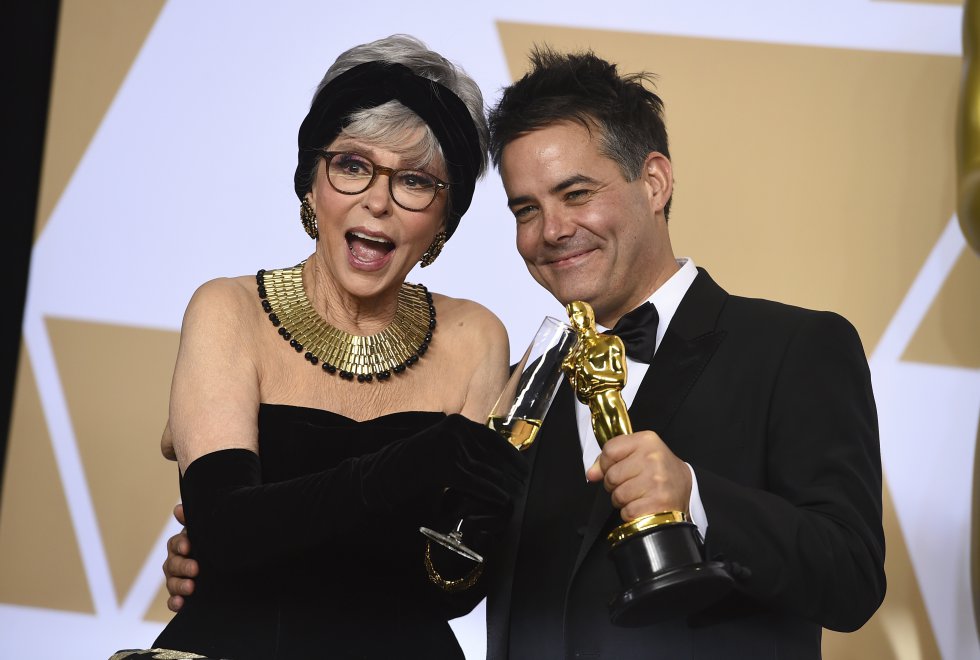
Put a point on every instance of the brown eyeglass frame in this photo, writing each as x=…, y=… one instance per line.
x=381, y=169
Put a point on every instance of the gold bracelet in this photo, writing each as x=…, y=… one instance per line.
x=451, y=586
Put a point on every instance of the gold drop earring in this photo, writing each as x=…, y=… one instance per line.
x=434, y=249
x=308, y=217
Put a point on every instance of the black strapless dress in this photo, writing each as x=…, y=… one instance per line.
x=363, y=594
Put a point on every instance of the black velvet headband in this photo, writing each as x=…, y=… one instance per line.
x=371, y=84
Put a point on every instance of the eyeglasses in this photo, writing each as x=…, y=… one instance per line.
x=351, y=173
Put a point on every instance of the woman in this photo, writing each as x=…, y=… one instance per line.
x=322, y=407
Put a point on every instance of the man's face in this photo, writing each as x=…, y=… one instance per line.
x=584, y=231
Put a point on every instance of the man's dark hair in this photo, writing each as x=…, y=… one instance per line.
x=584, y=88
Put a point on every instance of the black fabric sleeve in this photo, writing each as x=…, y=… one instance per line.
x=812, y=538
x=235, y=521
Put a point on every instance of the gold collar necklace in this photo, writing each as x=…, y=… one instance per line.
x=394, y=349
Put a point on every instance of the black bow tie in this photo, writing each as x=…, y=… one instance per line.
x=638, y=330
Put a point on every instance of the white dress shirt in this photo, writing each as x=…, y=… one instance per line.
x=665, y=299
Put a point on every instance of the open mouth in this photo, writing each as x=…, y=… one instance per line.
x=368, y=249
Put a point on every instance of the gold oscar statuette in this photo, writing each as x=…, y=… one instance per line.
x=659, y=557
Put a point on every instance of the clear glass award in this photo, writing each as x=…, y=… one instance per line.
x=522, y=405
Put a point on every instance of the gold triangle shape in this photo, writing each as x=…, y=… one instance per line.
x=96, y=45
x=42, y=566
x=949, y=334
x=116, y=381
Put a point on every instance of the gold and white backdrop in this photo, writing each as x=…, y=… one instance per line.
x=813, y=145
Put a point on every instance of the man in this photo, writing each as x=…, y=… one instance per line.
x=755, y=418
x=758, y=418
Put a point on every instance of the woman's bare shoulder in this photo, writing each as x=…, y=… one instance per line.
x=466, y=314
x=226, y=291
x=480, y=350
x=472, y=329
x=469, y=322
x=223, y=299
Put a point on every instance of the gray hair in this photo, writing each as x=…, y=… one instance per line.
x=390, y=123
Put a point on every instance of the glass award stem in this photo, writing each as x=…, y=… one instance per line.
x=453, y=541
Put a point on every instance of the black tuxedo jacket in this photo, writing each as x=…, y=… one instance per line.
x=772, y=406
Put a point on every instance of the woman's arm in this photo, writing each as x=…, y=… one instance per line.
x=236, y=521
x=214, y=398
x=488, y=342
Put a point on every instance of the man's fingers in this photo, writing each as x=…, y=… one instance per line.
x=627, y=492
x=621, y=446
x=180, y=567
x=631, y=512
x=629, y=467
x=613, y=451
x=179, y=514
x=179, y=586
x=595, y=473
x=174, y=603
x=642, y=476
x=179, y=544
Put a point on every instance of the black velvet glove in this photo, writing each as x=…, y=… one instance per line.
x=458, y=454
x=234, y=520
x=484, y=521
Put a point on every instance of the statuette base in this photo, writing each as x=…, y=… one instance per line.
x=664, y=575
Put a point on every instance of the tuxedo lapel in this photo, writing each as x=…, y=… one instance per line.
x=602, y=509
x=686, y=349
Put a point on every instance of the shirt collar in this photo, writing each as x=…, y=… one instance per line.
x=668, y=297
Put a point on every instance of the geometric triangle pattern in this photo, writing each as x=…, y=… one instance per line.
x=132, y=487
x=91, y=62
x=949, y=334
x=41, y=566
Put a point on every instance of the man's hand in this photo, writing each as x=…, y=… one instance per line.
x=179, y=569
x=643, y=476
